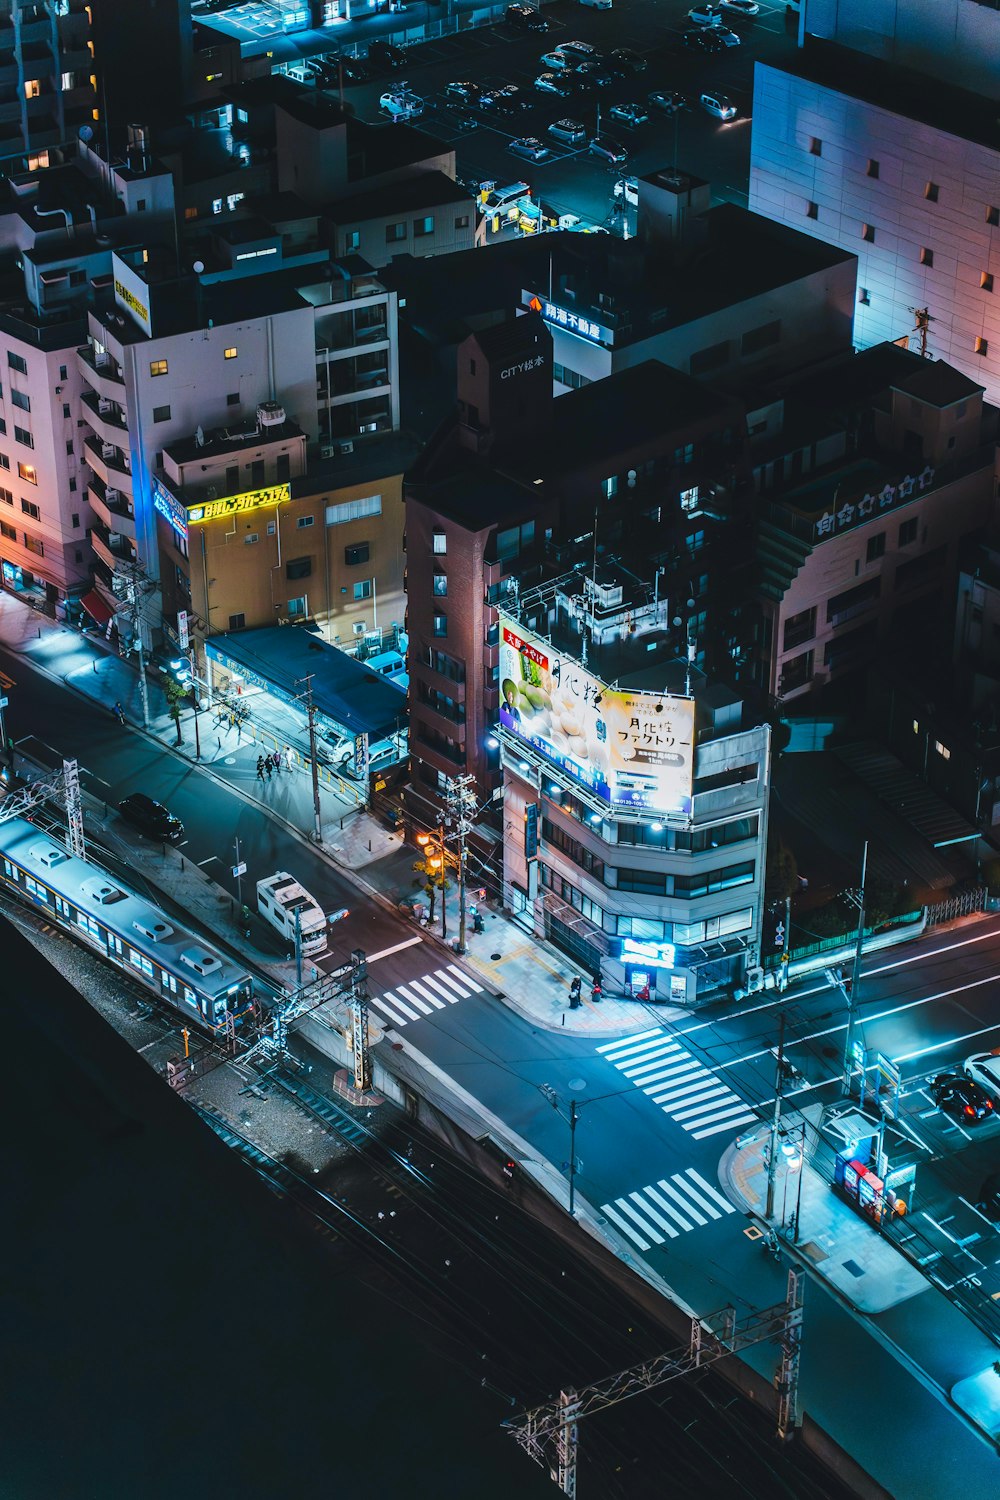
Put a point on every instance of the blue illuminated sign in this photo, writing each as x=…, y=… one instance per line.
x=170, y=509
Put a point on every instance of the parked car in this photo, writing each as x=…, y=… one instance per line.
x=530, y=147
x=386, y=55
x=629, y=114
x=571, y=132
x=525, y=18
x=468, y=92
x=580, y=51
x=596, y=73
x=718, y=105
x=551, y=83
x=705, y=15
x=740, y=7
x=984, y=1068
x=558, y=62
x=401, y=104
x=151, y=818
x=608, y=150
x=962, y=1097
x=667, y=100
x=709, y=40
x=726, y=37
x=627, y=188
x=989, y=1196
x=506, y=99
x=624, y=62
x=352, y=69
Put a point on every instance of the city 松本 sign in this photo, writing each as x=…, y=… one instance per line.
x=231, y=505
x=855, y=512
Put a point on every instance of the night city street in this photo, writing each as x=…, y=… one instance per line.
x=500, y=748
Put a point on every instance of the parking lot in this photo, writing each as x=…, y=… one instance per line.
x=569, y=180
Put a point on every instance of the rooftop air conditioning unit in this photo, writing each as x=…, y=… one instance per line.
x=359, y=627
x=104, y=405
x=345, y=448
x=328, y=451
x=108, y=449
x=270, y=414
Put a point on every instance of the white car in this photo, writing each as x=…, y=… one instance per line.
x=984, y=1068
x=719, y=106
x=705, y=15
x=558, y=62
x=740, y=7
x=401, y=104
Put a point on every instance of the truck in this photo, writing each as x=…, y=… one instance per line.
x=288, y=907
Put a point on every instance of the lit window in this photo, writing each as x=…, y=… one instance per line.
x=158, y=367
x=942, y=750
x=986, y=281
x=982, y=346
x=440, y=542
x=440, y=584
x=28, y=473
x=440, y=624
x=230, y=353
x=363, y=590
x=32, y=88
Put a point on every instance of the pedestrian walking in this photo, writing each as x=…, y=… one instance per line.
x=260, y=768
x=276, y=761
x=268, y=768
x=289, y=758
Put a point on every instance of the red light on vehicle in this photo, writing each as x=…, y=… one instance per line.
x=969, y=1110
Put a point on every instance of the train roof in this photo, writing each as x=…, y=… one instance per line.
x=108, y=899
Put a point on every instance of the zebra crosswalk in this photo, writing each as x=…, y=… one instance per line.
x=683, y=1087
x=422, y=997
x=668, y=1208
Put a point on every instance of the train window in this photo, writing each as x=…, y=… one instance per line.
x=169, y=982
x=115, y=944
x=63, y=907
x=8, y=869
x=89, y=925
x=36, y=888
x=190, y=996
x=140, y=961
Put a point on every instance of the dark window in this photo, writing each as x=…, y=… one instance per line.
x=709, y=359
x=394, y=233
x=22, y=435
x=75, y=520
x=62, y=372
x=815, y=146
x=577, y=852
x=762, y=337
x=30, y=509
x=20, y=399
x=864, y=296
x=986, y=281
x=706, y=881
x=733, y=776
x=797, y=672
x=298, y=567
x=161, y=413
x=926, y=256
x=868, y=233
x=462, y=222
x=645, y=882
x=443, y=664
x=872, y=167
x=908, y=532
x=69, y=447
x=237, y=622
x=931, y=192
x=359, y=553
x=423, y=227
x=850, y=603
x=982, y=347
x=233, y=398
x=34, y=544
x=812, y=210
x=17, y=363
x=799, y=628
x=875, y=548
x=992, y=215
x=10, y=532
x=66, y=411
x=440, y=624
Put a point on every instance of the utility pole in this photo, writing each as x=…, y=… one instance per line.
x=238, y=869
x=461, y=799
x=359, y=1020
x=574, y=1115
x=787, y=1381
x=136, y=585
x=298, y=949
x=852, y=998
x=772, y=1154
x=311, y=711
x=74, y=809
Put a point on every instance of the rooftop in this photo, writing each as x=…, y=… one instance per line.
x=425, y=190
x=902, y=91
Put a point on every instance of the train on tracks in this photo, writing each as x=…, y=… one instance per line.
x=187, y=973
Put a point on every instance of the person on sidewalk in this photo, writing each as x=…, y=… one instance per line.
x=268, y=767
x=595, y=991
x=289, y=758
x=260, y=768
x=276, y=761
x=574, y=994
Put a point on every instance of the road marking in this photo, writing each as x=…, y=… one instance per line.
x=626, y=1228
x=676, y=1207
x=208, y=861
x=405, y=998
x=691, y=1094
x=373, y=958
x=421, y=997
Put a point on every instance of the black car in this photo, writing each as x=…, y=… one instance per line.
x=705, y=40
x=667, y=100
x=989, y=1196
x=507, y=100
x=962, y=1097
x=151, y=818
x=525, y=18
x=352, y=69
x=623, y=62
x=386, y=55
x=596, y=73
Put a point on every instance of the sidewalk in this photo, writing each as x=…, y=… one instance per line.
x=858, y=1264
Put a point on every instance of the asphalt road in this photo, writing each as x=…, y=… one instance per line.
x=572, y=181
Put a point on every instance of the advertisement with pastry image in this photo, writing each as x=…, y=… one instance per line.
x=634, y=750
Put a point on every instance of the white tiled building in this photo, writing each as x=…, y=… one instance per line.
x=902, y=170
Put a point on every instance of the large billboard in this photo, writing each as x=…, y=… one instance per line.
x=634, y=750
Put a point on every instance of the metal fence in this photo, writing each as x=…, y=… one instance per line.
x=840, y=940
x=965, y=904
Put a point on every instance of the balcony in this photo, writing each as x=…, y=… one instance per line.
x=106, y=418
x=113, y=508
x=110, y=464
x=111, y=548
x=105, y=377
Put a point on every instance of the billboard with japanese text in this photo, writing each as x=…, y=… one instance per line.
x=634, y=750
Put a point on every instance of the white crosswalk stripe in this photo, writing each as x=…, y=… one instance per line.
x=683, y=1087
x=425, y=996
x=667, y=1208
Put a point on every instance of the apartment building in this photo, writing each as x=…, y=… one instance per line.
x=48, y=80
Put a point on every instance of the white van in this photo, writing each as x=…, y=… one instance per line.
x=288, y=907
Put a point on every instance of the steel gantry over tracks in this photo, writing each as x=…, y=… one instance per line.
x=550, y=1433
